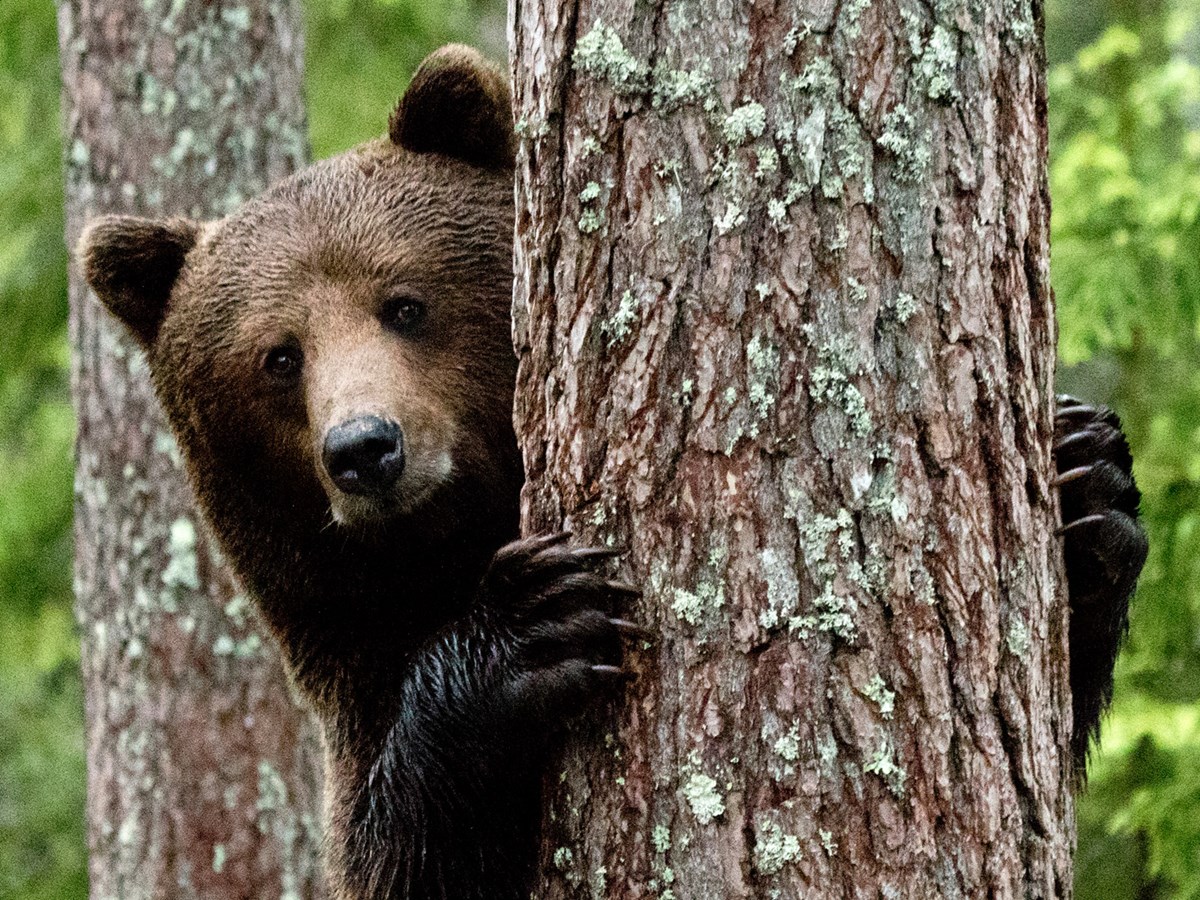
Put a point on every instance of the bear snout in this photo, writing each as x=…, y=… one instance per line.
x=364, y=455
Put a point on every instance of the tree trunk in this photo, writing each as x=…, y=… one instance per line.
x=203, y=773
x=786, y=333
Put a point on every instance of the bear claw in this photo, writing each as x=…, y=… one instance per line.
x=551, y=613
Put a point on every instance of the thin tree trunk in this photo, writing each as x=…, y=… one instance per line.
x=786, y=333
x=203, y=773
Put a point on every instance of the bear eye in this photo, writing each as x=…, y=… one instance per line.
x=404, y=314
x=283, y=361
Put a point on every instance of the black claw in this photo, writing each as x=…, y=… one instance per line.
x=1072, y=474
x=1081, y=411
x=1086, y=520
x=546, y=541
x=622, y=588
x=595, y=554
x=614, y=672
x=1077, y=437
x=633, y=629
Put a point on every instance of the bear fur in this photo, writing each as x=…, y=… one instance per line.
x=432, y=649
x=335, y=360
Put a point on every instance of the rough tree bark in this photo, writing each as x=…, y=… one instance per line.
x=786, y=333
x=203, y=773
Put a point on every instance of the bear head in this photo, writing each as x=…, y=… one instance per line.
x=335, y=357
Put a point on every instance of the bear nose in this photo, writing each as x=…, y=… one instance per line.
x=364, y=455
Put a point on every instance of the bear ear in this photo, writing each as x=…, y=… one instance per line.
x=458, y=104
x=132, y=264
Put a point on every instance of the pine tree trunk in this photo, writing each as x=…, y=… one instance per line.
x=786, y=333
x=203, y=773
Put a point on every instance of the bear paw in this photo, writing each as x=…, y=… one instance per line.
x=1104, y=549
x=1104, y=545
x=553, y=613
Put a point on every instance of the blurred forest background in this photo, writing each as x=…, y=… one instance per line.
x=1125, y=182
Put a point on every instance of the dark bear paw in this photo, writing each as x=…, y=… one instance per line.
x=1104, y=549
x=554, y=616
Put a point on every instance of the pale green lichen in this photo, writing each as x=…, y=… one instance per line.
x=591, y=221
x=237, y=609
x=910, y=148
x=905, y=306
x=164, y=443
x=591, y=218
x=733, y=217
x=851, y=21
x=535, y=127
x=673, y=88
x=768, y=162
x=923, y=586
x=938, y=63
x=687, y=391
x=601, y=54
x=773, y=848
x=691, y=606
x=834, y=615
x=703, y=798
x=762, y=361
x=877, y=691
x=850, y=156
x=563, y=858
x=181, y=573
x=687, y=606
x=590, y=147
x=815, y=532
x=620, y=325
x=817, y=78
x=829, y=382
x=1020, y=20
x=777, y=213
x=599, y=883
x=661, y=838
x=857, y=291
x=792, y=39
x=236, y=17
x=218, y=859
x=783, y=589
x=272, y=790
x=668, y=167
x=787, y=746
x=1018, y=639
x=883, y=763
x=827, y=842
x=744, y=123
x=247, y=648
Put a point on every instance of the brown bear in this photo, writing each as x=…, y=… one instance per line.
x=335, y=359
x=336, y=362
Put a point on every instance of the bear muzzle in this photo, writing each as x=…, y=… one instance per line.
x=364, y=456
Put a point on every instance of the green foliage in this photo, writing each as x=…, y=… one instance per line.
x=1125, y=178
x=362, y=52
x=42, y=852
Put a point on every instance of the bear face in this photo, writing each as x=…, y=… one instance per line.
x=336, y=362
x=350, y=329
